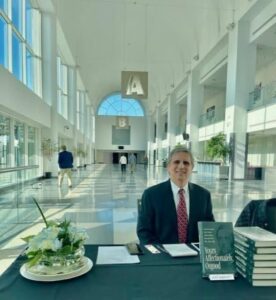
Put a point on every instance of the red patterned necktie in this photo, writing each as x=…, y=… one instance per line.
x=182, y=218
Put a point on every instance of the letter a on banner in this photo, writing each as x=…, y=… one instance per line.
x=134, y=84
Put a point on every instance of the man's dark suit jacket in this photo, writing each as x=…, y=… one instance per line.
x=157, y=219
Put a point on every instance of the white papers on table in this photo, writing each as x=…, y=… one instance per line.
x=115, y=255
x=176, y=250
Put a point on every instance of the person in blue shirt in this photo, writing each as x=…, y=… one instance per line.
x=65, y=162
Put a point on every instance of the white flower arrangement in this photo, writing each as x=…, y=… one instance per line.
x=58, y=239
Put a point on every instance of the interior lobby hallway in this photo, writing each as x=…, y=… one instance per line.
x=104, y=202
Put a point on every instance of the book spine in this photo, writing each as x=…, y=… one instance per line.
x=244, y=246
x=244, y=275
x=241, y=241
x=202, y=250
x=249, y=255
x=262, y=239
x=244, y=239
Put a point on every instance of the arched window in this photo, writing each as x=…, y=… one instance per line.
x=115, y=105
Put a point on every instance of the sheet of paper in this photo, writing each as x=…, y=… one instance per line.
x=108, y=255
x=176, y=250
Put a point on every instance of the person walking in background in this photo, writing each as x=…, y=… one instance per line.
x=65, y=162
x=123, y=162
x=132, y=162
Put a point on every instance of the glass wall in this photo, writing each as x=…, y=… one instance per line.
x=18, y=148
x=4, y=142
x=31, y=146
x=24, y=140
x=19, y=143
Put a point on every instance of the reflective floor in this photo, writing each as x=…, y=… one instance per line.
x=104, y=202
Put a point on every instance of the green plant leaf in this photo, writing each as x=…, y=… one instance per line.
x=35, y=259
x=43, y=217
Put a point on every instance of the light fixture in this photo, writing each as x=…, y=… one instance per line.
x=196, y=57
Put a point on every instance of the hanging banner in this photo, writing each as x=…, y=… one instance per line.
x=134, y=84
x=122, y=122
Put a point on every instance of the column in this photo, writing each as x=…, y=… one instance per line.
x=194, y=109
x=72, y=100
x=240, y=81
x=49, y=79
x=172, y=120
x=158, y=136
x=150, y=138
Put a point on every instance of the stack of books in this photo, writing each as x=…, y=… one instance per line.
x=255, y=254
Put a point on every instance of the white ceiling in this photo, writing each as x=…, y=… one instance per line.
x=158, y=36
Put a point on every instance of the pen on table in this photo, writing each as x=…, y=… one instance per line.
x=161, y=248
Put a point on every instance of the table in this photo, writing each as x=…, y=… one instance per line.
x=157, y=277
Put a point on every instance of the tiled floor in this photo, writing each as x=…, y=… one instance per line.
x=104, y=202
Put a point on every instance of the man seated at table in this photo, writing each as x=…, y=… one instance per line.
x=170, y=210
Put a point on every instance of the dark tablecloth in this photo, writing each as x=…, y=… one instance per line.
x=157, y=277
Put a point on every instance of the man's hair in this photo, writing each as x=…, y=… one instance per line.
x=181, y=149
x=63, y=147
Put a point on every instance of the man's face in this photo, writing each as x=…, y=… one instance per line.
x=180, y=168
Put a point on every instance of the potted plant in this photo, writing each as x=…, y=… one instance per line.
x=57, y=248
x=48, y=148
x=218, y=149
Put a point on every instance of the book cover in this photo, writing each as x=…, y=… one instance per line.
x=216, y=241
x=256, y=236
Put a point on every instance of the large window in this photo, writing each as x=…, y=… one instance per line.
x=62, y=76
x=20, y=41
x=115, y=105
x=16, y=56
x=3, y=42
x=29, y=70
x=17, y=14
x=3, y=5
x=28, y=23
